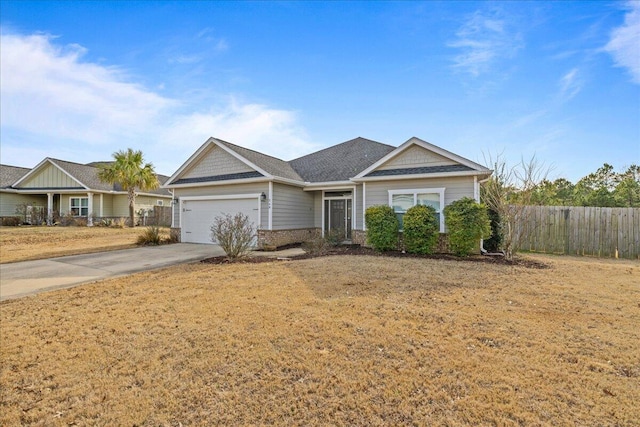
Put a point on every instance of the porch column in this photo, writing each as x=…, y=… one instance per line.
x=90, y=210
x=49, y=208
x=101, y=205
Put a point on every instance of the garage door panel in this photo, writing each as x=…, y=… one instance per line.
x=198, y=216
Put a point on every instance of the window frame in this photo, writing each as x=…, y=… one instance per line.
x=415, y=192
x=79, y=207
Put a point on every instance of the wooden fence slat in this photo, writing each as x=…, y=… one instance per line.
x=581, y=230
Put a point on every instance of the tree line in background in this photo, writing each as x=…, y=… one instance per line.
x=603, y=188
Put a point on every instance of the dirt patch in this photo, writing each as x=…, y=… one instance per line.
x=360, y=250
x=339, y=340
x=30, y=243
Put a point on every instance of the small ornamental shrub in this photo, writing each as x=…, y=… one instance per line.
x=234, y=234
x=382, y=227
x=494, y=243
x=467, y=222
x=150, y=236
x=334, y=237
x=420, y=229
x=174, y=236
x=317, y=246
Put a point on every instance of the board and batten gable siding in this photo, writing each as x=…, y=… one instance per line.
x=416, y=157
x=50, y=176
x=9, y=202
x=224, y=190
x=293, y=208
x=215, y=162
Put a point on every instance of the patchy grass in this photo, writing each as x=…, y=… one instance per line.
x=341, y=340
x=29, y=243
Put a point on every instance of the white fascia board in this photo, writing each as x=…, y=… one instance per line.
x=427, y=146
x=61, y=191
x=331, y=185
x=287, y=181
x=420, y=176
x=223, y=197
x=181, y=169
x=216, y=183
x=161, y=196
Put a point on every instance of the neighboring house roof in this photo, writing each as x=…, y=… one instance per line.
x=85, y=175
x=340, y=162
x=10, y=174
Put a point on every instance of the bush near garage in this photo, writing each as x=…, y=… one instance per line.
x=235, y=234
x=420, y=229
x=467, y=222
x=382, y=227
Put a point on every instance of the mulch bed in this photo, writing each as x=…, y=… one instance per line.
x=360, y=250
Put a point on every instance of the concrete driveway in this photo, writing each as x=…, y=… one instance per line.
x=30, y=277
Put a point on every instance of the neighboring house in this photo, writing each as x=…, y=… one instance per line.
x=66, y=188
x=328, y=190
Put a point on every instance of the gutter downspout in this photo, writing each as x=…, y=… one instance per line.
x=476, y=184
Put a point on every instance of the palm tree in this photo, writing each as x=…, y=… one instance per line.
x=130, y=171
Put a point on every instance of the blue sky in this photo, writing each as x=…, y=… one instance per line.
x=561, y=80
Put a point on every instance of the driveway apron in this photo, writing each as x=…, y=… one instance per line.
x=30, y=277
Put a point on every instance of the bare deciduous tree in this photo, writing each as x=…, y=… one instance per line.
x=508, y=192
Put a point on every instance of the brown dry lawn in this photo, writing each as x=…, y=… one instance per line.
x=341, y=340
x=29, y=243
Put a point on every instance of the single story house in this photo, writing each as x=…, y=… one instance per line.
x=58, y=187
x=329, y=190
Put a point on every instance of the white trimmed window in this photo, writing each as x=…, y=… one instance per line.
x=79, y=206
x=402, y=200
x=159, y=202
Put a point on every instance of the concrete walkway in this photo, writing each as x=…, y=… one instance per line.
x=30, y=277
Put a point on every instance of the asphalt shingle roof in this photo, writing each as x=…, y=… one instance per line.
x=88, y=175
x=226, y=177
x=269, y=164
x=10, y=174
x=340, y=162
x=421, y=170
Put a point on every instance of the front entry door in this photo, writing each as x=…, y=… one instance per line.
x=337, y=214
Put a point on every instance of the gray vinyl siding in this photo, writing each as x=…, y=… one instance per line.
x=317, y=209
x=292, y=207
x=455, y=188
x=9, y=202
x=49, y=177
x=225, y=190
x=358, y=208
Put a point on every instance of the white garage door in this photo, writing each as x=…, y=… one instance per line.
x=198, y=215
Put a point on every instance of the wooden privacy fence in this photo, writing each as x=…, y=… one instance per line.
x=580, y=230
x=161, y=216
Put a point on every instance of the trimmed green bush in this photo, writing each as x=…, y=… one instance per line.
x=420, y=229
x=467, y=222
x=382, y=227
x=494, y=243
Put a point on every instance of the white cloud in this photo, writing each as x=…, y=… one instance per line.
x=570, y=84
x=53, y=102
x=624, y=45
x=482, y=41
